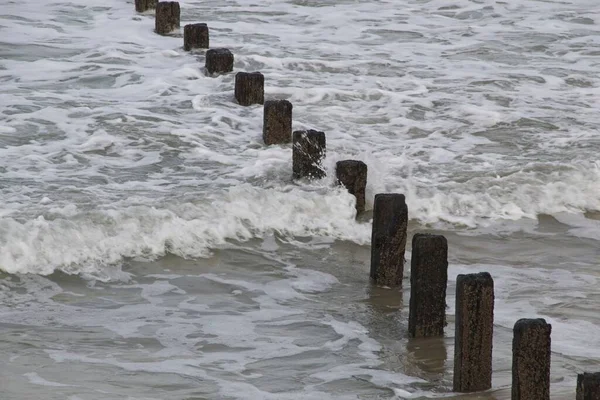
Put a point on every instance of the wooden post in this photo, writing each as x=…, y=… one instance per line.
x=219, y=61
x=195, y=36
x=144, y=5
x=249, y=88
x=388, y=239
x=474, y=332
x=308, y=151
x=277, y=122
x=352, y=175
x=531, y=360
x=588, y=386
x=167, y=17
x=428, y=280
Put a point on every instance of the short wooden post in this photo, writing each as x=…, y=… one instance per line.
x=388, y=239
x=531, y=360
x=249, y=88
x=144, y=5
x=474, y=332
x=308, y=151
x=219, y=61
x=428, y=281
x=277, y=122
x=352, y=175
x=167, y=17
x=588, y=386
x=195, y=36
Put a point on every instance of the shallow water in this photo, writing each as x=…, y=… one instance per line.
x=270, y=319
x=153, y=247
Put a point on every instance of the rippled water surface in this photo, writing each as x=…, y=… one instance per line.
x=152, y=247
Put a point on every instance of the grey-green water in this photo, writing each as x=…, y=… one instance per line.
x=153, y=248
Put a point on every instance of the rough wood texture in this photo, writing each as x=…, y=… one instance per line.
x=308, y=151
x=277, y=122
x=428, y=281
x=249, y=88
x=353, y=175
x=195, y=36
x=531, y=360
x=588, y=386
x=144, y=5
x=167, y=17
x=388, y=239
x=474, y=332
x=219, y=61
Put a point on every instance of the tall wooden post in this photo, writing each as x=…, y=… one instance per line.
x=428, y=281
x=474, y=332
x=388, y=239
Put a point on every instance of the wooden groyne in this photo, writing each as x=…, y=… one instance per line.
x=249, y=88
x=168, y=16
x=352, y=174
x=277, y=122
x=474, y=319
x=474, y=332
x=388, y=239
x=195, y=36
x=308, y=152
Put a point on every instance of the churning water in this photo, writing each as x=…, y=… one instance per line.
x=153, y=248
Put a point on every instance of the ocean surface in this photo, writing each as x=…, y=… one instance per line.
x=152, y=247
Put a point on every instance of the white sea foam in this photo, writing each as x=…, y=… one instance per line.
x=84, y=242
x=38, y=380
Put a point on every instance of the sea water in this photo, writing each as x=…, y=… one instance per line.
x=152, y=246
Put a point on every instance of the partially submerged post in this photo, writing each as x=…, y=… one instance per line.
x=167, y=17
x=144, y=5
x=531, y=360
x=308, y=151
x=352, y=174
x=195, y=36
x=249, y=88
x=219, y=61
x=388, y=239
x=428, y=280
x=277, y=122
x=588, y=386
x=474, y=332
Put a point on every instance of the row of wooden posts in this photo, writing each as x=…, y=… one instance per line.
x=474, y=317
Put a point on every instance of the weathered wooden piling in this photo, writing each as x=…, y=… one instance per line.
x=195, y=36
x=167, y=17
x=428, y=280
x=249, y=88
x=144, y=5
x=277, y=122
x=352, y=174
x=388, y=239
x=219, y=61
x=308, y=151
x=474, y=332
x=588, y=386
x=531, y=360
